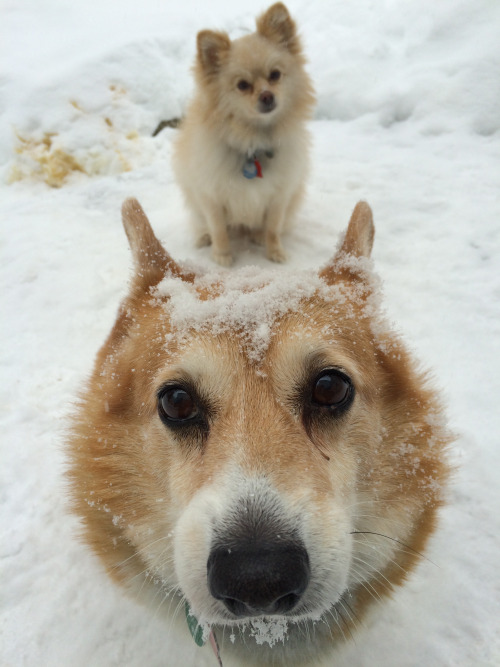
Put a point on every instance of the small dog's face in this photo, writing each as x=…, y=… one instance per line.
x=258, y=77
x=259, y=444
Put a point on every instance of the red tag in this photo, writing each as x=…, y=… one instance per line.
x=215, y=646
x=258, y=167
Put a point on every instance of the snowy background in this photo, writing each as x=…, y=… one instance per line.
x=408, y=118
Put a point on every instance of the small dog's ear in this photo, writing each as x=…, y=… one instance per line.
x=277, y=25
x=211, y=48
x=358, y=242
x=151, y=259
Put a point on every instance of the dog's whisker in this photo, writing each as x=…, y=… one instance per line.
x=334, y=613
x=374, y=573
x=138, y=554
x=373, y=549
x=345, y=607
x=152, y=572
x=358, y=578
x=346, y=624
x=356, y=619
x=407, y=549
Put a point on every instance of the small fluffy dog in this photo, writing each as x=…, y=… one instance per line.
x=242, y=155
x=259, y=446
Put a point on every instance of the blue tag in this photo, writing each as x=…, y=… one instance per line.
x=250, y=169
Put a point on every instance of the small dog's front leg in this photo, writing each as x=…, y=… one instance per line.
x=217, y=226
x=273, y=227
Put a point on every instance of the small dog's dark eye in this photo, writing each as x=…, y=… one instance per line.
x=176, y=404
x=243, y=85
x=275, y=75
x=332, y=389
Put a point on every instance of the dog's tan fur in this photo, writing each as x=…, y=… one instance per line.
x=362, y=490
x=225, y=125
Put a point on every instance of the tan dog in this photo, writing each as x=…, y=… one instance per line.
x=242, y=154
x=260, y=446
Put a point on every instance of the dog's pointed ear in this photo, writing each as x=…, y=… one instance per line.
x=357, y=243
x=151, y=260
x=212, y=48
x=277, y=25
x=358, y=240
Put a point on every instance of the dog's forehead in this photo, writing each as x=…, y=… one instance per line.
x=254, y=52
x=255, y=309
x=246, y=303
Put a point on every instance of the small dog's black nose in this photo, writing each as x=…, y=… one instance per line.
x=267, y=101
x=259, y=579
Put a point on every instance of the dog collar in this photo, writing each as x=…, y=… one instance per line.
x=199, y=635
x=252, y=167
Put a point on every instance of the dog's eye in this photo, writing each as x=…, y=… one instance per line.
x=243, y=85
x=175, y=404
x=275, y=75
x=332, y=389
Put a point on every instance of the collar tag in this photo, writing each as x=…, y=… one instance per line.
x=194, y=627
x=252, y=168
x=199, y=634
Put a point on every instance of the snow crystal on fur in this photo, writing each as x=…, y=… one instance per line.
x=248, y=304
x=253, y=299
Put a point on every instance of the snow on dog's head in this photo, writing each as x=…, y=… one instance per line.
x=260, y=445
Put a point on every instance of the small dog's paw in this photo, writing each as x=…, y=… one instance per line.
x=222, y=258
x=203, y=240
x=276, y=254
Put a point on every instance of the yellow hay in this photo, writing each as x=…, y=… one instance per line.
x=52, y=164
x=44, y=158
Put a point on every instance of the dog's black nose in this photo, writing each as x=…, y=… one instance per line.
x=255, y=579
x=267, y=101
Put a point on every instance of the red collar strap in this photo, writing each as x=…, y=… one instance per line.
x=252, y=167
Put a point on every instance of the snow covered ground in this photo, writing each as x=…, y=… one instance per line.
x=408, y=118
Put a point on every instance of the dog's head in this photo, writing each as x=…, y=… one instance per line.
x=257, y=442
x=259, y=77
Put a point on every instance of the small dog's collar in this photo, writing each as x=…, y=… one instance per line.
x=252, y=167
